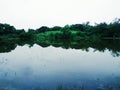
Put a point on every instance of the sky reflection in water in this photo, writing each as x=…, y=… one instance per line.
x=34, y=68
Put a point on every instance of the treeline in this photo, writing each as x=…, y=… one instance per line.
x=101, y=30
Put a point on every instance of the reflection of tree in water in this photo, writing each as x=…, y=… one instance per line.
x=7, y=46
x=98, y=45
x=115, y=54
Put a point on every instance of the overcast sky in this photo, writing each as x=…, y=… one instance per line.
x=36, y=13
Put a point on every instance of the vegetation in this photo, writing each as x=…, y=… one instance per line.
x=69, y=32
x=113, y=45
x=78, y=36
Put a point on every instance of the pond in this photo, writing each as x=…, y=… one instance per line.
x=57, y=68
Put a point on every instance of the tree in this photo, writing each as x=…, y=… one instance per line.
x=114, y=29
x=66, y=33
x=31, y=31
x=77, y=27
x=20, y=31
x=43, y=29
x=56, y=28
x=6, y=29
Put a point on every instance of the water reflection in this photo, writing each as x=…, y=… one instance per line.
x=82, y=65
x=51, y=68
x=98, y=45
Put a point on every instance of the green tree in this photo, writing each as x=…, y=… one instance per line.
x=43, y=29
x=66, y=33
x=6, y=29
x=79, y=27
x=56, y=28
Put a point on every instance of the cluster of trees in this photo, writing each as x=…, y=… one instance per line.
x=6, y=29
x=10, y=31
x=102, y=29
x=83, y=30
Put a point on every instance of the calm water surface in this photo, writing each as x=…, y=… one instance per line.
x=51, y=68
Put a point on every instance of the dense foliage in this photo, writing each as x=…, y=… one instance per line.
x=78, y=36
x=98, y=45
x=75, y=31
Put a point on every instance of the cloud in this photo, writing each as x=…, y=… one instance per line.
x=35, y=13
